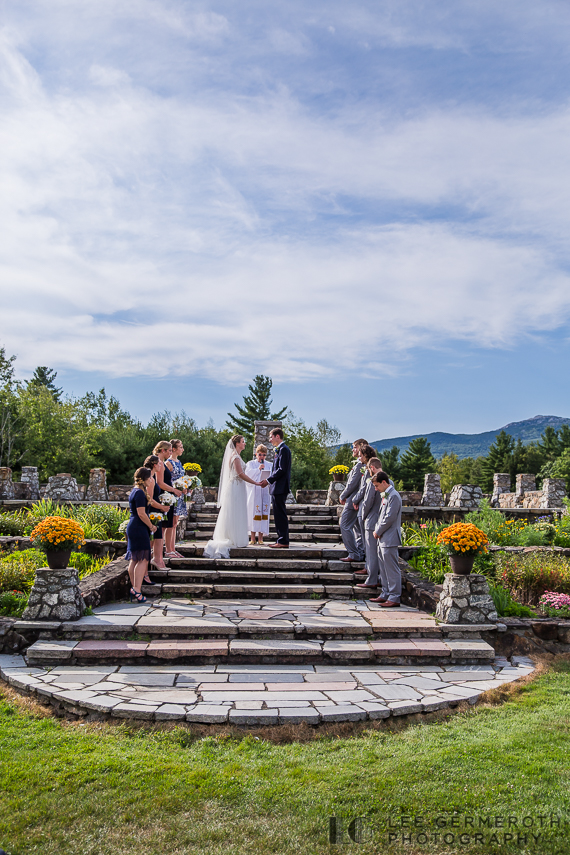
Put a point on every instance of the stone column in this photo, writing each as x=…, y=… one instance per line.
x=525, y=484
x=553, y=492
x=55, y=596
x=465, y=496
x=501, y=484
x=63, y=486
x=432, y=495
x=97, y=488
x=32, y=481
x=466, y=599
x=6, y=483
x=335, y=489
x=261, y=431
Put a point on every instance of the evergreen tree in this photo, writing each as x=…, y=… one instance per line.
x=391, y=462
x=499, y=459
x=256, y=407
x=44, y=377
x=416, y=462
x=343, y=456
x=550, y=444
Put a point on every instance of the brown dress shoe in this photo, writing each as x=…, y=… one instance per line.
x=361, y=572
x=279, y=546
x=364, y=585
x=378, y=600
x=390, y=605
x=348, y=560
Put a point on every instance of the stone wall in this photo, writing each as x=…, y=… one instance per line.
x=119, y=492
x=64, y=487
x=311, y=497
x=411, y=498
x=527, y=496
x=334, y=491
x=31, y=482
x=501, y=484
x=6, y=483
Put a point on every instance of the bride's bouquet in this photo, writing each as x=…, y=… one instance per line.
x=167, y=499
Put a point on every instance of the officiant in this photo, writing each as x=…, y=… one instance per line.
x=258, y=499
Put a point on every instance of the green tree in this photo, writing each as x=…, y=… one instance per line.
x=550, y=444
x=6, y=369
x=43, y=378
x=343, y=456
x=498, y=459
x=391, y=462
x=311, y=458
x=416, y=462
x=256, y=407
x=560, y=468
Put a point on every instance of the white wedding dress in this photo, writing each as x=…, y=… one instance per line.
x=231, y=528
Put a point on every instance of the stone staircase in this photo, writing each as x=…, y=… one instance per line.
x=259, y=607
x=307, y=524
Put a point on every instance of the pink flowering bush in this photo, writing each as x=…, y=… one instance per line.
x=555, y=604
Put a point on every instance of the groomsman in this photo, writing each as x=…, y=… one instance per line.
x=387, y=533
x=369, y=512
x=349, y=530
x=365, y=454
x=279, y=485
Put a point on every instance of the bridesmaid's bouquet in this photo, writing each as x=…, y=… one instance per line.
x=167, y=499
x=156, y=517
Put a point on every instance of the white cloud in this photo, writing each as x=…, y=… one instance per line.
x=197, y=232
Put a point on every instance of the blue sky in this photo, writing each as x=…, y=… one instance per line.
x=367, y=202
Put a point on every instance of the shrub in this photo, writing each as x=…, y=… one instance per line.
x=99, y=522
x=86, y=564
x=421, y=534
x=18, y=569
x=505, y=605
x=12, y=525
x=431, y=562
x=527, y=577
x=13, y=603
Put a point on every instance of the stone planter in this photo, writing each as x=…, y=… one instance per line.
x=461, y=565
x=466, y=599
x=58, y=559
x=55, y=596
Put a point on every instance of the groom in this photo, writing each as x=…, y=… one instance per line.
x=279, y=484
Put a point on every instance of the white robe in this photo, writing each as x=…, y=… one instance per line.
x=258, y=500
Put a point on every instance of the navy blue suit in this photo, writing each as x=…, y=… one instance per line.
x=279, y=486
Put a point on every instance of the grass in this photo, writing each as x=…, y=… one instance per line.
x=81, y=789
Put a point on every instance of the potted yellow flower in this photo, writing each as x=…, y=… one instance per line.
x=57, y=537
x=339, y=472
x=462, y=541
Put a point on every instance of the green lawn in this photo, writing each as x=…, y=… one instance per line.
x=95, y=788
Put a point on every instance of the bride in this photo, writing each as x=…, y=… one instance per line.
x=232, y=526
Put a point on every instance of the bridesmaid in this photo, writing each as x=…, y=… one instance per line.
x=139, y=529
x=176, y=470
x=151, y=463
x=163, y=451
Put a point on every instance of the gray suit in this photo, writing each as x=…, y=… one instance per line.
x=369, y=511
x=349, y=529
x=389, y=538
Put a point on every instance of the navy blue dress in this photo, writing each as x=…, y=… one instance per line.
x=155, y=495
x=138, y=534
x=169, y=522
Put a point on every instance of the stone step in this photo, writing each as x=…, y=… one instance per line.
x=293, y=527
x=246, y=589
x=254, y=695
x=248, y=575
x=262, y=651
x=294, y=519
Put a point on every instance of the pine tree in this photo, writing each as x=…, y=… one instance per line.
x=550, y=444
x=6, y=369
x=416, y=462
x=256, y=407
x=499, y=459
x=391, y=463
x=44, y=377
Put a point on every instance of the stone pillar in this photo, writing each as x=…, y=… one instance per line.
x=432, y=495
x=261, y=431
x=335, y=489
x=63, y=486
x=466, y=599
x=6, y=483
x=31, y=480
x=55, y=596
x=501, y=484
x=553, y=492
x=465, y=496
x=525, y=484
x=97, y=489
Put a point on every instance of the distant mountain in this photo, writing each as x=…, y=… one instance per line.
x=475, y=444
